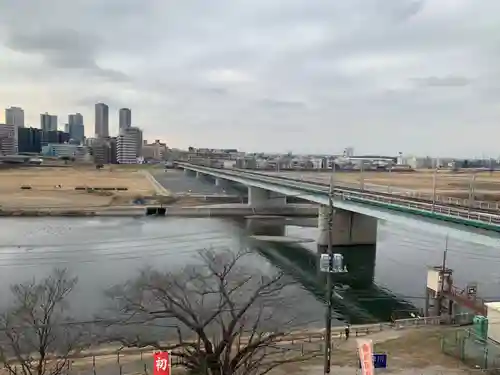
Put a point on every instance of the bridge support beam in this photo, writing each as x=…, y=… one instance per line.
x=220, y=182
x=188, y=172
x=200, y=175
x=258, y=197
x=266, y=227
x=355, y=237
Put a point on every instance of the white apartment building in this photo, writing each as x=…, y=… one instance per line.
x=129, y=145
x=14, y=116
x=8, y=139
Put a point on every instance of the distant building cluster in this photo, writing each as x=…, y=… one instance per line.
x=345, y=161
x=128, y=147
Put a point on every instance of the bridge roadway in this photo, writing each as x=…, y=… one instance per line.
x=480, y=206
x=480, y=225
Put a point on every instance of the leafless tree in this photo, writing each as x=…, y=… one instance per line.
x=226, y=317
x=36, y=335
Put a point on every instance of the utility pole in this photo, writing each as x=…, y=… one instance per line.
x=434, y=182
x=329, y=281
x=471, y=191
x=443, y=270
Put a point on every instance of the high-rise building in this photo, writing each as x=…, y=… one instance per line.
x=8, y=139
x=101, y=120
x=104, y=151
x=76, y=129
x=129, y=145
x=29, y=140
x=125, y=118
x=48, y=123
x=14, y=116
x=54, y=136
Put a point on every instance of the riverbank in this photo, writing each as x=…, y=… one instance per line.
x=411, y=351
x=77, y=187
x=200, y=209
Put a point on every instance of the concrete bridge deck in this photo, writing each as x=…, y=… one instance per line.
x=466, y=223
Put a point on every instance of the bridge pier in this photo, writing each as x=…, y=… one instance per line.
x=258, y=197
x=266, y=227
x=200, y=175
x=221, y=182
x=355, y=237
x=189, y=173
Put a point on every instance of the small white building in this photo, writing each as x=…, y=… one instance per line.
x=493, y=315
x=79, y=153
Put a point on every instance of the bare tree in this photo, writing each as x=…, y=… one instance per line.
x=36, y=335
x=226, y=317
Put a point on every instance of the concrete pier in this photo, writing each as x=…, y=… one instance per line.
x=220, y=182
x=270, y=227
x=258, y=197
x=351, y=232
x=189, y=173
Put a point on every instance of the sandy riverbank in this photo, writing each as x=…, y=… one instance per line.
x=57, y=187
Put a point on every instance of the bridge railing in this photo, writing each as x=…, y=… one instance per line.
x=395, y=190
x=386, y=189
x=364, y=196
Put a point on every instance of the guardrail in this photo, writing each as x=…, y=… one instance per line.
x=393, y=190
x=368, y=197
x=296, y=337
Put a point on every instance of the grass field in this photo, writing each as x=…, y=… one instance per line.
x=55, y=186
x=452, y=184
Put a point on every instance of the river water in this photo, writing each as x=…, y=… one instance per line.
x=106, y=251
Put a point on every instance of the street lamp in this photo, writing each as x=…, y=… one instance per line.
x=361, y=176
x=326, y=265
x=471, y=191
x=390, y=179
x=434, y=183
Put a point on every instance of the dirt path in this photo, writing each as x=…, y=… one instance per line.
x=410, y=352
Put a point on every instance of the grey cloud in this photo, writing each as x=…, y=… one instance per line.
x=450, y=81
x=64, y=48
x=90, y=101
x=355, y=66
x=281, y=104
x=52, y=41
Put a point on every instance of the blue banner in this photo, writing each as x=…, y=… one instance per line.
x=379, y=361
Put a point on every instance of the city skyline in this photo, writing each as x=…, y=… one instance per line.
x=311, y=77
x=17, y=116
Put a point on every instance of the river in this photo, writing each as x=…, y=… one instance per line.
x=106, y=251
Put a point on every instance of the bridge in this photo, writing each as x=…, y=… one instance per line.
x=359, y=209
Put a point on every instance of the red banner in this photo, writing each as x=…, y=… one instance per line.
x=365, y=352
x=162, y=365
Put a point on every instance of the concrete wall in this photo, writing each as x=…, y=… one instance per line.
x=261, y=197
x=348, y=228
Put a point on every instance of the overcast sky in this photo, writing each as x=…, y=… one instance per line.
x=383, y=76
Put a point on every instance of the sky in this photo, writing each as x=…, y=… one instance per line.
x=305, y=76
